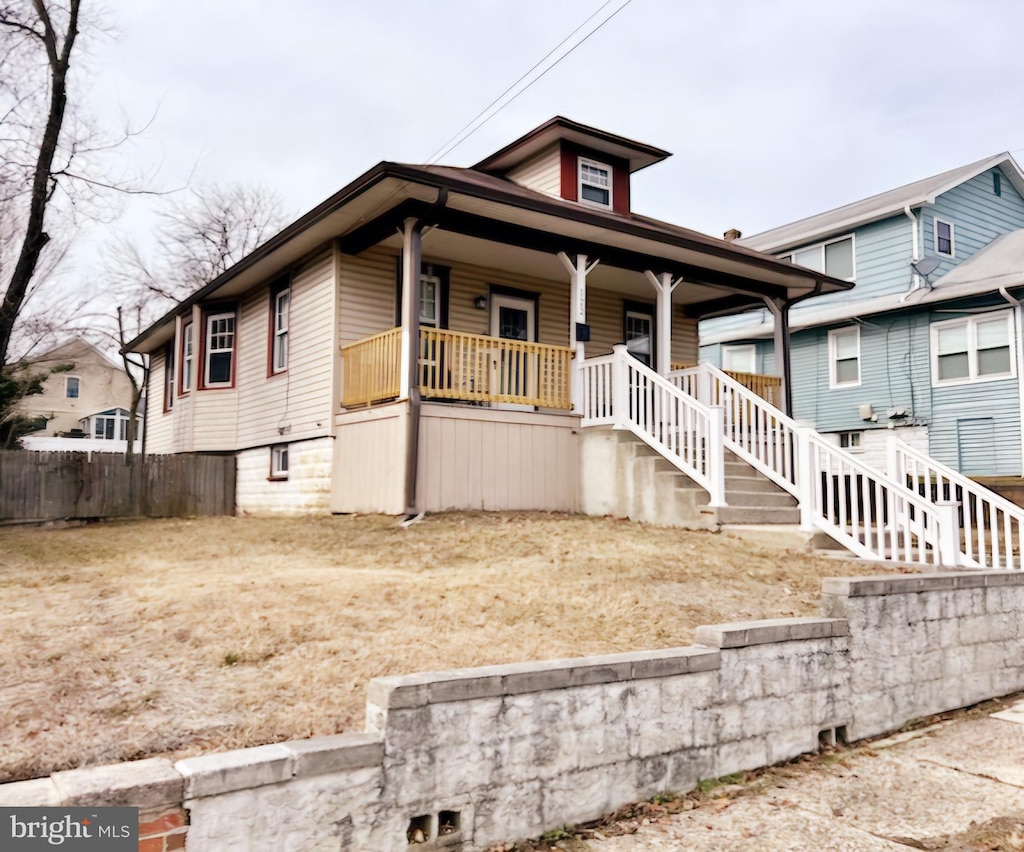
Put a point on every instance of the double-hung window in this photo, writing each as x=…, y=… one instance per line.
x=279, y=351
x=844, y=357
x=169, y=367
x=834, y=258
x=430, y=300
x=218, y=369
x=187, y=357
x=974, y=349
x=595, y=182
x=943, y=238
x=72, y=386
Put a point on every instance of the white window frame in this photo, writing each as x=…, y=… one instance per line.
x=67, y=387
x=936, y=221
x=209, y=351
x=279, y=356
x=790, y=255
x=435, y=321
x=748, y=350
x=833, y=337
x=119, y=425
x=279, y=461
x=972, y=349
x=854, y=441
x=580, y=182
x=188, y=351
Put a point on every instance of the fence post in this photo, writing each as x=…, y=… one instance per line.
x=949, y=533
x=716, y=455
x=620, y=386
x=805, y=478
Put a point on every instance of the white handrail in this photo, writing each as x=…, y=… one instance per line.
x=618, y=390
x=872, y=514
x=990, y=527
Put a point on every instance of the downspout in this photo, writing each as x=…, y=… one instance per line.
x=412, y=238
x=1018, y=324
x=915, y=251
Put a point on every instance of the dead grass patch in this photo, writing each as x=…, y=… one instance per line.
x=130, y=639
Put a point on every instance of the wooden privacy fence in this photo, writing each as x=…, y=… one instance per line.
x=46, y=486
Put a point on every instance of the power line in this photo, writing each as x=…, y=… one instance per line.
x=461, y=136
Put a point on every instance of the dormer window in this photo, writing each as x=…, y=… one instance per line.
x=595, y=182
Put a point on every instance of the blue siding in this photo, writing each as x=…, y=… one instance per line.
x=978, y=216
x=764, y=357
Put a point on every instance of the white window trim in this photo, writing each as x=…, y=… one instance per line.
x=209, y=351
x=854, y=441
x=744, y=349
x=276, y=454
x=580, y=183
x=78, y=379
x=833, y=335
x=188, y=353
x=788, y=256
x=972, y=350
x=434, y=322
x=935, y=237
x=280, y=344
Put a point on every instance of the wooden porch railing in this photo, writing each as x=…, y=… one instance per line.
x=458, y=366
x=769, y=388
x=371, y=369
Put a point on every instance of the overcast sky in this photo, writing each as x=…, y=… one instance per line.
x=773, y=109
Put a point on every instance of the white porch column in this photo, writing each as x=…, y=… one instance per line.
x=578, y=271
x=410, y=313
x=664, y=285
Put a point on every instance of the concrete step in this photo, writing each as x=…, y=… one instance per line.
x=759, y=499
x=752, y=483
x=782, y=536
x=758, y=515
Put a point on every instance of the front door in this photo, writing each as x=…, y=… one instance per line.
x=514, y=371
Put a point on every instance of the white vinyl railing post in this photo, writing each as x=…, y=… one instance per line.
x=892, y=461
x=949, y=533
x=704, y=385
x=805, y=478
x=620, y=387
x=716, y=456
x=577, y=381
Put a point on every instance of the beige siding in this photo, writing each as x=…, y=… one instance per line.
x=605, y=313
x=158, y=425
x=305, y=491
x=469, y=281
x=368, y=473
x=477, y=458
x=684, y=340
x=296, y=403
x=181, y=417
x=366, y=292
x=542, y=172
x=214, y=419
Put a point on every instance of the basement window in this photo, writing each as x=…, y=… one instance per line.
x=850, y=440
x=279, y=462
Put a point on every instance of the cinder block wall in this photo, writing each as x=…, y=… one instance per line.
x=476, y=756
x=306, y=490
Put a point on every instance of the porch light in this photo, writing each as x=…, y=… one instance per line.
x=480, y=303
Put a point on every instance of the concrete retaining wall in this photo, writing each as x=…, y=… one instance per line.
x=466, y=758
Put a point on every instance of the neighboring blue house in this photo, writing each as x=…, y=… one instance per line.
x=928, y=342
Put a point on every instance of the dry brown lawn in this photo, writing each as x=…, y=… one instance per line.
x=122, y=640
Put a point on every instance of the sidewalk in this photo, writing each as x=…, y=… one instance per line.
x=954, y=785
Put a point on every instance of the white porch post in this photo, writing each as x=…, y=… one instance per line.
x=578, y=271
x=716, y=456
x=410, y=313
x=806, y=487
x=664, y=285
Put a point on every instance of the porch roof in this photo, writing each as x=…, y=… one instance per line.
x=721, y=275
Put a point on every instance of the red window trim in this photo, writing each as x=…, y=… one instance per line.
x=204, y=318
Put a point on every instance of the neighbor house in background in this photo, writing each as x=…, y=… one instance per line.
x=929, y=342
x=435, y=338
x=83, y=408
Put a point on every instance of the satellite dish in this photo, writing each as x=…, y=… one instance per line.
x=926, y=265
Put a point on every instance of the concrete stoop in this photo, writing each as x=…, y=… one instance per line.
x=650, y=489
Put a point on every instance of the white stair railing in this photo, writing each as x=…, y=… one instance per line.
x=990, y=527
x=872, y=515
x=618, y=390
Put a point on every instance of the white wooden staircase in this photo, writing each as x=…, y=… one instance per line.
x=697, y=449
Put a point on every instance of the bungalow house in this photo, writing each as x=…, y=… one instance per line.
x=85, y=401
x=927, y=346
x=433, y=338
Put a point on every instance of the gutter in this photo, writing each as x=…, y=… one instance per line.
x=1018, y=325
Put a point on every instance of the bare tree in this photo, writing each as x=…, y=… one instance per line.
x=31, y=30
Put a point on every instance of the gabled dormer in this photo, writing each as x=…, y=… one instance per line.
x=570, y=160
